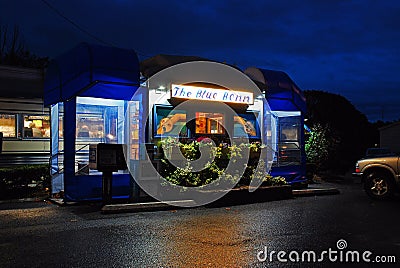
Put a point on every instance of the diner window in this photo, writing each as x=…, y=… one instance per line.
x=289, y=128
x=8, y=125
x=289, y=143
x=57, y=141
x=170, y=122
x=245, y=125
x=209, y=123
x=90, y=126
x=36, y=126
x=97, y=120
x=61, y=120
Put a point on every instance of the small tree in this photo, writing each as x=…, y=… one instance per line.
x=349, y=130
x=318, y=146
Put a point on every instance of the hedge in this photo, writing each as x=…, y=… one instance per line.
x=24, y=181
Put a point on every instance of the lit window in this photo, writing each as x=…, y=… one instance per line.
x=289, y=145
x=209, y=123
x=170, y=122
x=289, y=128
x=7, y=125
x=90, y=127
x=99, y=120
x=36, y=126
x=245, y=125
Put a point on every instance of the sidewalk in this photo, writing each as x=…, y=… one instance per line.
x=315, y=189
x=22, y=200
x=234, y=197
x=229, y=199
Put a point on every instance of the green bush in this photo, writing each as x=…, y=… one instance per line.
x=216, y=169
x=24, y=181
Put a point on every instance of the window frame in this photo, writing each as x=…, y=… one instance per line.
x=23, y=127
x=155, y=122
x=16, y=130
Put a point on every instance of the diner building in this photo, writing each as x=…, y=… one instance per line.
x=104, y=95
x=24, y=121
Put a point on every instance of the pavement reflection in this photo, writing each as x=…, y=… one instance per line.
x=214, y=240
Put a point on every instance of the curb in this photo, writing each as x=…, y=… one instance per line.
x=60, y=202
x=315, y=192
x=227, y=200
x=147, y=206
x=22, y=200
x=231, y=199
x=260, y=195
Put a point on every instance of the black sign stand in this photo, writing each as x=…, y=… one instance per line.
x=107, y=159
x=107, y=187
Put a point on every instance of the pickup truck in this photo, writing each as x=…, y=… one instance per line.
x=380, y=175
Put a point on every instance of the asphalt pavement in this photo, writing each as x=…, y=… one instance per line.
x=42, y=234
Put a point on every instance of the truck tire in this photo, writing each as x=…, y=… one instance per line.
x=378, y=185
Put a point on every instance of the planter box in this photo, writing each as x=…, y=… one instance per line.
x=254, y=155
x=239, y=196
x=173, y=153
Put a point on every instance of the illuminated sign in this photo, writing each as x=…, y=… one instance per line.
x=211, y=94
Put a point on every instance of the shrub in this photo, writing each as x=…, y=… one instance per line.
x=223, y=153
x=24, y=181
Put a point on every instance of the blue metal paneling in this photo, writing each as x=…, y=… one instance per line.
x=88, y=70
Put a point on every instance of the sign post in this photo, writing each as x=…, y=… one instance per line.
x=107, y=158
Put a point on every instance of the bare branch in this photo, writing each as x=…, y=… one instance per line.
x=14, y=52
x=3, y=38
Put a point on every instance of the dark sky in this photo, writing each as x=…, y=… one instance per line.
x=351, y=48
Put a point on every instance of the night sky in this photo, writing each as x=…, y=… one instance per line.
x=346, y=47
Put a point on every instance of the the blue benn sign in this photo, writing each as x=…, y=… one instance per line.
x=211, y=94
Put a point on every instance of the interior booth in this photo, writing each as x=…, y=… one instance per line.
x=288, y=108
x=90, y=91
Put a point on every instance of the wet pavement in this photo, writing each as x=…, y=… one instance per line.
x=41, y=234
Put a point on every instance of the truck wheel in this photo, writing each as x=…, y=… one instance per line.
x=378, y=185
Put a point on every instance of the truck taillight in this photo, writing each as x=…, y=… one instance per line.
x=357, y=168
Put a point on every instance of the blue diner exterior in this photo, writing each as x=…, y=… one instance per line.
x=101, y=94
x=288, y=108
x=89, y=89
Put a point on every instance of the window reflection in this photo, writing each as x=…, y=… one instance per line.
x=97, y=121
x=209, y=123
x=245, y=125
x=90, y=127
x=36, y=126
x=289, y=140
x=170, y=122
x=8, y=125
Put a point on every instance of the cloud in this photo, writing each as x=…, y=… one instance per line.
x=346, y=47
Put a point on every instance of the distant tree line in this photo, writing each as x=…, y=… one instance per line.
x=340, y=134
x=13, y=51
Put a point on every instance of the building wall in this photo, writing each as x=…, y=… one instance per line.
x=390, y=137
x=21, y=99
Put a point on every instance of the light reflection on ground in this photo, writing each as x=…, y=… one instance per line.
x=207, y=240
x=14, y=216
